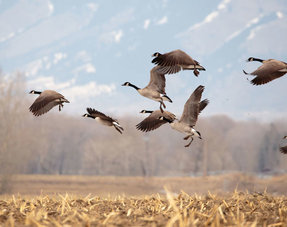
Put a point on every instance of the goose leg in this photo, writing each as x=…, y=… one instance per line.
x=187, y=145
x=185, y=138
x=161, y=110
x=195, y=71
x=60, y=106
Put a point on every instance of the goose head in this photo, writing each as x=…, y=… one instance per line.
x=250, y=59
x=126, y=84
x=156, y=54
x=35, y=92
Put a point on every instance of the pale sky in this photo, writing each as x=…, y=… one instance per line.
x=87, y=49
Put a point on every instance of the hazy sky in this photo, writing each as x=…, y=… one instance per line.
x=87, y=49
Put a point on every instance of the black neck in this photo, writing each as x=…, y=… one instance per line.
x=148, y=111
x=257, y=59
x=134, y=86
x=37, y=92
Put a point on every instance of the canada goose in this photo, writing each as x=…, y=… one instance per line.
x=103, y=119
x=46, y=101
x=283, y=150
x=153, y=122
x=270, y=69
x=174, y=61
x=192, y=109
x=155, y=90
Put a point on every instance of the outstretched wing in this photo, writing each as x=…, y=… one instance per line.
x=191, y=107
x=45, y=102
x=203, y=104
x=173, y=61
x=157, y=80
x=283, y=150
x=153, y=122
x=268, y=71
x=99, y=114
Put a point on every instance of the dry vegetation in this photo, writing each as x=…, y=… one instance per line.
x=236, y=200
x=237, y=209
x=51, y=145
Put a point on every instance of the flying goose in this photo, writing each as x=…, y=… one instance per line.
x=270, y=69
x=153, y=122
x=174, y=61
x=103, y=119
x=192, y=109
x=283, y=150
x=155, y=90
x=46, y=101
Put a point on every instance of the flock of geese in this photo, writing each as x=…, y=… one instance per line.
x=168, y=63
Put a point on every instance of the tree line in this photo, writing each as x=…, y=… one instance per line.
x=56, y=143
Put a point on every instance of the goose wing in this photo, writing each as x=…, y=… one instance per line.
x=192, y=107
x=45, y=102
x=283, y=150
x=203, y=104
x=173, y=61
x=157, y=80
x=99, y=114
x=153, y=122
x=268, y=71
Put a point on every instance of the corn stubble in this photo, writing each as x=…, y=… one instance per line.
x=237, y=209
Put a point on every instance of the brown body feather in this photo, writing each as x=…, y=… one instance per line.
x=270, y=69
x=46, y=101
x=174, y=61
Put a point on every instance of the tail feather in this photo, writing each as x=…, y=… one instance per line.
x=65, y=100
x=117, y=125
x=199, y=67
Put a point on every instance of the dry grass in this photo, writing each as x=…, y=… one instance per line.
x=135, y=186
x=236, y=209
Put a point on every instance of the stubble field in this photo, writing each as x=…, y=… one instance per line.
x=145, y=202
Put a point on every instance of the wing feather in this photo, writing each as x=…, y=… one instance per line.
x=45, y=102
x=268, y=71
x=174, y=61
x=153, y=122
x=99, y=114
x=157, y=80
x=191, y=107
x=283, y=150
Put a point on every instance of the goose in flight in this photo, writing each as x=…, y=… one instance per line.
x=283, y=150
x=155, y=90
x=45, y=101
x=270, y=69
x=103, y=119
x=153, y=122
x=192, y=109
x=174, y=61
